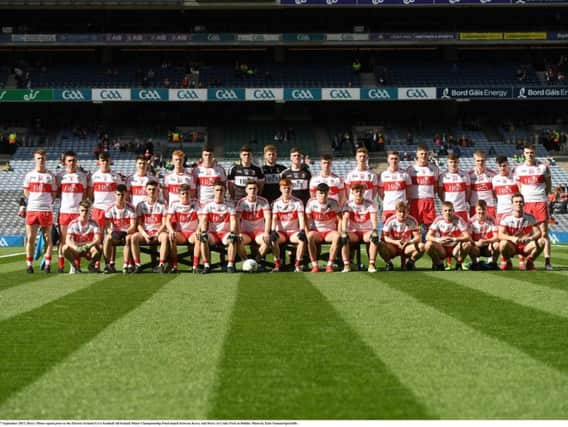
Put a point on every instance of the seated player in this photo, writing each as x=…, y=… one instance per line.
x=484, y=237
x=288, y=224
x=359, y=225
x=83, y=240
x=520, y=235
x=219, y=218
x=323, y=215
x=448, y=237
x=401, y=237
x=182, y=227
x=120, y=226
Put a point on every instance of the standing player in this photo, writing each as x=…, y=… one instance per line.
x=137, y=182
x=401, y=237
x=448, y=237
x=326, y=176
x=40, y=188
x=484, y=237
x=83, y=240
x=323, y=215
x=481, y=179
x=454, y=186
x=73, y=188
x=533, y=179
x=520, y=235
x=288, y=222
x=120, y=226
x=424, y=177
x=243, y=172
x=504, y=186
x=177, y=177
x=102, y=189
x=299, y=174
x=394, y=185
x=359, y=225
x=272, y=172
x=207, y=173
x=362, y=175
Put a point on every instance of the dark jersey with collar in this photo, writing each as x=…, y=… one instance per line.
x=300, y=182
x=272, y=175
x=240, y=174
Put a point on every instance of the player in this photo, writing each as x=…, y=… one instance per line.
x=448, y=237
x=83, y=240
x=359, y=224
x=272, y=172
x=177, y=177
x=40, y=189
x=299, y=174
x=362, y=175
x=520, y=235
x=454, y=186
x=484, y=237
x=401, y=237
x=137, y=182
x=102, y=189
x=394, y=185
x=243, y=172
x=424, y=177
x=481, y=179
x=207, y=173
x=326, y=176
x=504, y=186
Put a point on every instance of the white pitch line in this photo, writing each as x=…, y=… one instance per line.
x=9, y=255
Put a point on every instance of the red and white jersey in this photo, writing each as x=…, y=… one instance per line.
x=454, y=228
x=218, y=216
x=136, y=185
x=518, y=226
x=120, y=218
x=482, y=186
x=73, y=186
x=368, y=178
x=504, y=187
x=83, y=233
x=41, y=186
x=285, y=214
x=173, y=180
x=150, y=216
x=394, y=185
x=185, y=216
x=531, y=181
x=252, y=214
x=360, y=215
x=322, y=217
x=482, y=230
x=103, y=185
x=455, y=186
x=205, y=179
x=397, y=230
x=424, y=180
x=335, y=183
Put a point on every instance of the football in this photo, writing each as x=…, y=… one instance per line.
x=250, y=266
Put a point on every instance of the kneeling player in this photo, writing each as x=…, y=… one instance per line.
x=485, y=241
x=120, y=226
x=83, y=240
x=448, y=237
x=323, y=215
x=519, y=235
x=401, y=237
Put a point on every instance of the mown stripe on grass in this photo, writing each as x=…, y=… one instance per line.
x=517, y=290
x=546, y=280
x=289, y=355
x=31, y=295
x=540, y=335
x=456, y=371
x=39, y=339
x=11, y=279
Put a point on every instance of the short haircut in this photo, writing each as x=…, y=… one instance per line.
x=40, y=151
x=69, y=153
x=208, y=148
x=251, y=182
x=104, y=155
x=401, y=206
x=295, y=150
x=178, y=153
x=393, y=153
x=358, y=187
x=529, y=147
x=246, y=149
x=518, y=194
x=323, y=187
x=269, y=148
x=285, y=181
x=421, y=147
x=453, y=156
x=183, y=187
x=141, y=157
x=219, y=184
x=152, y=183
x=85, y=203
x=121, y=188
x=362, y=150
x=501, y=159
x=480, y=153
x=481, y=204
x=447, y=205
x=327, y=157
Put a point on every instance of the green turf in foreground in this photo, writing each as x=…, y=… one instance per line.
x=289, y=355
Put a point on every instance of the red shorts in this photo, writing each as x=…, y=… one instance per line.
x=520, y=248
x=359, y=234
x=490, y=211
x=463, y=215
x=537, y=209
x=43, y=218
x=287, y=234
x=449, y=250
x=423, y=210
x=387, y=215
x=98, y=215
x=253, y=234
x=323, y=234
x=66, y=218
x=186, y=234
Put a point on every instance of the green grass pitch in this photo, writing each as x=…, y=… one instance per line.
x=419, y=345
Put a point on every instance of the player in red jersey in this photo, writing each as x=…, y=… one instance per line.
x=120, y=226
x=484, y=237
x=326, y=176
x=454, y=186
x=504, y=186
x=394, y=185
x=151, y=220
x=288, y=222
x=73, y=188
x=520, y=235
x=401, y=237
x=323, y=215
x=359, y=224
x=363, y=175
x=40, y=188
x=83, y=240
x=177, y=177
x=534, y=181
x=481, y=179
x=102, y=189
x=448, y=237
x=136, y=183
x=424, y=177
x=207, y=173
